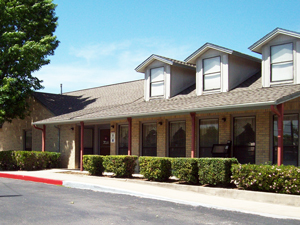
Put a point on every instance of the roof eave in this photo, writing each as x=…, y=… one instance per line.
x=159, y=113
x=256, y=47
x=142, y=67
x=192, y=58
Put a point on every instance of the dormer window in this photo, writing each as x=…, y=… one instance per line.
x=282, y=62
x=157, y=82
x=212, y=73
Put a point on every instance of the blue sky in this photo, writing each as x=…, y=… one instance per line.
x=102, y=41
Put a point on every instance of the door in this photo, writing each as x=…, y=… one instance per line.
x=104, y=141
x=244, y=139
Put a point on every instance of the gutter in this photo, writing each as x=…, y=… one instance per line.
x=259, y=104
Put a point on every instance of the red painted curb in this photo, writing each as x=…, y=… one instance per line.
x=29, y=178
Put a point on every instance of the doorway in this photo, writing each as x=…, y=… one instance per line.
x=104, y=145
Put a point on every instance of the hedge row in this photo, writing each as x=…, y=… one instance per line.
x=28, y=160
x=120, y=165
x=214, y=171
x=268, y=178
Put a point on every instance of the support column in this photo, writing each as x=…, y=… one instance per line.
x=81, y=145
x=279, y=112
x=129, y=120
x=193, y=116
x=43, y=136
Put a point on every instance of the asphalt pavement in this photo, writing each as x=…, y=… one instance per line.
x=272, y=205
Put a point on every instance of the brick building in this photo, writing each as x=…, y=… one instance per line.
x=180, y=108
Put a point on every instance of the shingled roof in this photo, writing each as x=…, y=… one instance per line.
x=127, y=100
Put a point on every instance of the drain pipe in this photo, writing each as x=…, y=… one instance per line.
x=43, y=136
x=58, y=137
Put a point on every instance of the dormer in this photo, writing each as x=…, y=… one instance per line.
x=280, y=51
x=220, y=69
x=165, y=77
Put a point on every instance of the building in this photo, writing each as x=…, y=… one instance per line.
x=180, y=108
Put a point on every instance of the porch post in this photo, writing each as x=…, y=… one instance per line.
x=82, y=144
x=129, y=134
x=193, y=115
x=279, y=113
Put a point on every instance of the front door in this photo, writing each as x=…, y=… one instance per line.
x=244, y=139
x=104, y=141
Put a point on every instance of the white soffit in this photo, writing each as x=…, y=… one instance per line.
x=256, y=47
x=141, y=68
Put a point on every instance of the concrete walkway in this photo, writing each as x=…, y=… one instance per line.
x=265, y=204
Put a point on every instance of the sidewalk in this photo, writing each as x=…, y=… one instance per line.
x=265, y=204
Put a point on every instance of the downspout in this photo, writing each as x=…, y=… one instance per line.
x=43, y=136
x=129, y=134
x=193, y=116
x=58, y=137
x=279, y=113
x=81, y=143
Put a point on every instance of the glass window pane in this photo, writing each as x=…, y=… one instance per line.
x=157, y=74
x=244, y=131
x=123, y=140
x=282, y=71
x=157, y=89
x=88, y=138
x=281, y=53
x=212, y=81
x=28, y=140
x=149, y=135
x=209, y=132
x=211, y=65
x=177, y=134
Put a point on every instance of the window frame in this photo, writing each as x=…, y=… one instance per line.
x=25, y=140
x=278, y=63
x=118, y=136
x=169, y=137
x=160, y=81
x=142, y=136
x=214, y=73
x=199, y=131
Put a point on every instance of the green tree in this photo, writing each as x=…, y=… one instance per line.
x=26, y=40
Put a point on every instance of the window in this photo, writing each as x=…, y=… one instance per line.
x=123, y=140
x=177, y=139
x=149, y=141
x=212, y=73
x=290, y=139
x=28, y=140
x=209, y=135
x=157, y=82
x=88, y=141
x=244, y=139
x=282, y=62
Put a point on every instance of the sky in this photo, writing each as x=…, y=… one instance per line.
x=103, y=41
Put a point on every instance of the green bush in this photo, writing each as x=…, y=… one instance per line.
x=268, y=178
x=7, y=161
x=155, y=168
x=215, y=171
x=185, y=169
x=120, y=165
x=93, y=164
x=28, y=160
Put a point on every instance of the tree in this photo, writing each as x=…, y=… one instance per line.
x=26, y=40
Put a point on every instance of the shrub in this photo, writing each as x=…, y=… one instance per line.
x=185, y=169
x=215, y=171
x=93, y=164
x=120, y=165
x=155, y=168
x=268, y=178
x=53, y=160
x=7, y=161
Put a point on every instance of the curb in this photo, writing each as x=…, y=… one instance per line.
x=30, y=178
